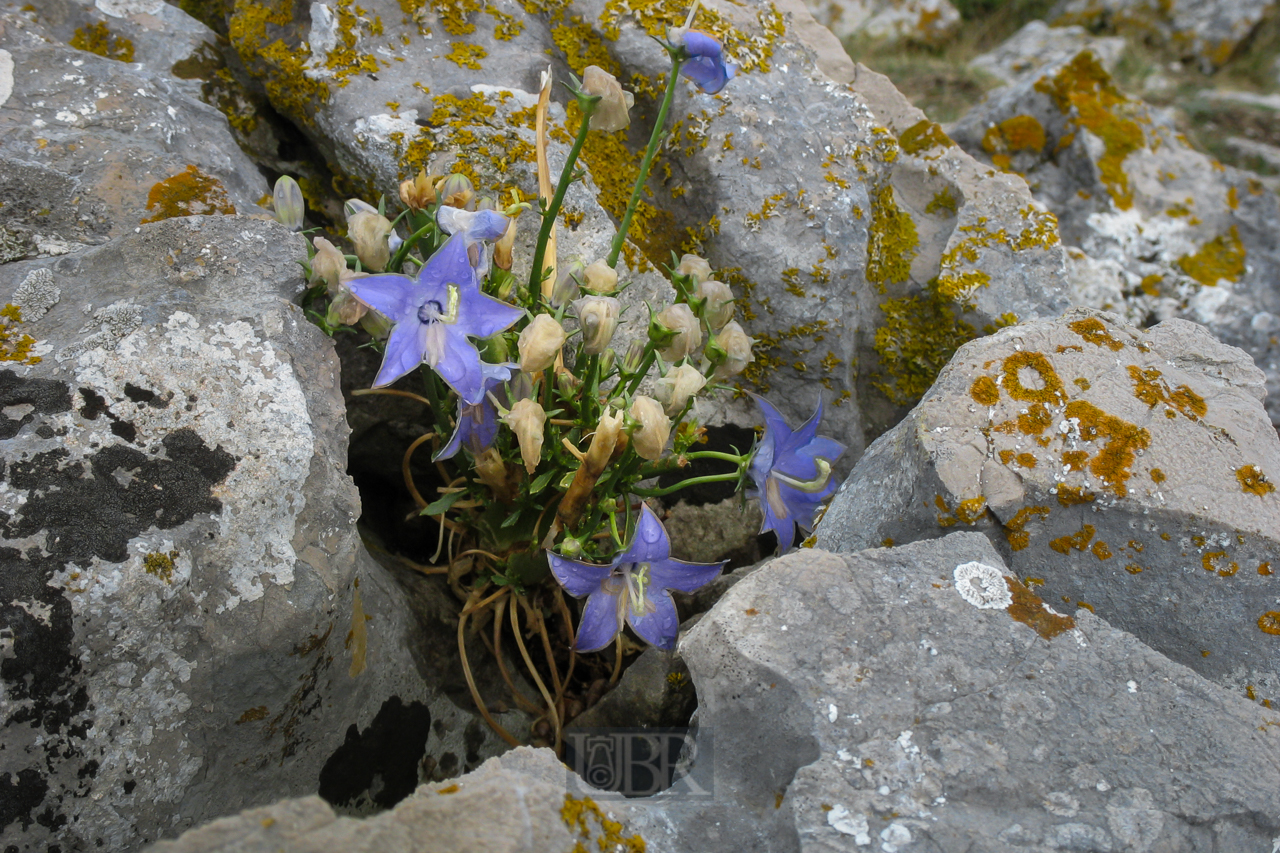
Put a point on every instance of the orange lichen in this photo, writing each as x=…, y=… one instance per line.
x=985, y=391
x=15, y=346
x=1269, y=622
x=1026, y=460
x=1252, y=480
x=1220, y=258
x=1078, y=540
x=1112, y=463
x=1264, y=568
x=1006, y=456
x=1150, y=389
x=1014, y=134
x=1050, y=390
x=1216, y=561
x=1074, y=460
x=1157, y=476
x=1133, y=569
x=1029, y=609
x=1094, y=331
x=1015, y=529
x=968, y=511
x=1072, y=495
x=1035, y=420
x=577, y=813
x=188, y=193
x=1101, y=550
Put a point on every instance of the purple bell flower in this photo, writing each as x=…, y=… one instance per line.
x=792, y=472
x=635, y=587
x=433, y=317
x=478, y=422
x=705, y=64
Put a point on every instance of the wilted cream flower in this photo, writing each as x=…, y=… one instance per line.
x=688, y=340
x=651, y=427
x=344, y=308
x=598, y=316
x=566, y=288
x=611, y=112
x=369, y=233
x=675, y=389
x=419, y=193
x=604, y=440
x=737, y=348
x=695, y=267
x=719, y=307
x=328, y=264
x=600, y=278
x=491, y=470
x=527, y=419
x=540, y=343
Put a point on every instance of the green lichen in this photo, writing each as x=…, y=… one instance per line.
x=943, y=201
x=100, y=40
x=15, y=346
x=892, y=241
x=919, y=335
x=1220, y=258
x=160, y=565
x=923, y=136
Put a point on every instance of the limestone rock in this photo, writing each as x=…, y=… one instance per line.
x=1155, y=229
x=1123, y=470
x=92, y=146
x=184, y=600
x=931, y=22
x=1037, y=45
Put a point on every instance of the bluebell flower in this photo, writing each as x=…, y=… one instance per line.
x=705, y=64
x=475, y=227
x=635, y=587
x=433, y=317
x=792, y=472
x=477, y=425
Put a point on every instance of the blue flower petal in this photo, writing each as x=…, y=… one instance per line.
x=682, y=576
x=404, y=353
x=659, y=624
x=391, y=295
x=576, y=577
x=599, y=622
x=650, y=543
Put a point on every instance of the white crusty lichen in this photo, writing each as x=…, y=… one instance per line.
x=36, y=295
x=112, y=323
x=983, y=586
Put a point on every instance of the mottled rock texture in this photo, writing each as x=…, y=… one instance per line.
x=1037, y=45
x=1127, y=471
x=929, y=22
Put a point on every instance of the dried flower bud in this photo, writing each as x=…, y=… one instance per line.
x=611, y=112
x=491, y=470
x=650, y=427
x=540, y=343
x=527, y=419
x=566, y=289
x=694, y=267
x=328, y=264
x=688, y=332
x=287, y=197
x=456, y=190
x=503, y=255
x=419, y=193
x=737, y=348
x=634, y=357
x=344, y=308
x=604, y=440
x=598, y=316
x=370, y=234
x=600, y=278
x=674, y=390
x=719, y=307
x=352, y=206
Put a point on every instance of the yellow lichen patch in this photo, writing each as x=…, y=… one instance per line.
x=1078, y=540
x=1148, y=284
x=14, y=345
x=750, y=51
x=1220, y=258
x=1074, y=460
x=466, y=55
x=1082, y=383
x=455, y=15
x=968, y=511
x=188, y=193
x=344, y=59
x=1101, y=550
x=1216, y=561
x=1123, y=439
x=1252, y=480
x=578, y=815
x=1035, y=420
x=1152, y=390
x=1269, y=623
x=100, y=40
x=1233, y=198
x=1084, y=86
x=1023, y=371
x=160, y=565
x=1264, y=569
x=923, y=136
x=281, y=66
x=1029, y=609
x=1026, y=460
x=253, y=715
x=1094, y=331
x=892, y=241
x=1157, y=476
x=943, y=201
x=1015, y=528
x=1014, y=134
x=919, y=336
x=1006, y=457
x=1133, y=568
x=1073, y=495
x=985, y=391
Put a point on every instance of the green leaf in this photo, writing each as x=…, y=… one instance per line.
x=541, y=482
x=510, y=519
x=442, y=505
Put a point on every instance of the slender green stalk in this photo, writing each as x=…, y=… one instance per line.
x=655, y=140
x=397, y=260
x=709, y=478
x=587, y=106
x=650, y=356
x=437, y=405
x=715, y=454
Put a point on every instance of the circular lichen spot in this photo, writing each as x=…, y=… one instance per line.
x=1269, y=622
x=985, y=391
x=1254, y=481
x=1157, y=476
x=1028, y=376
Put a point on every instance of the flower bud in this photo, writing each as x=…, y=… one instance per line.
x=611, y=111
x=456, y=190
x=486, y=202
x=674, y=390
x=527, y=419
x=502, y=250
x=287, y=196
x=377, y=324
x=419, y=193
x=540, y=343
x=370, y=233
x=633, y=359
x=568, y=383
x=718, y=309
x=519, y=386
x=604, y=440
x=344, y=308
x=352, y=206
x=570, y=547
x=650, y=427
x=491, y=470
x=327, y=265
x=688, y=333
x=737, y=348
x=607, y=359
x=694, y=267
x=600, y=278
x=566, y=289
x=598, y=316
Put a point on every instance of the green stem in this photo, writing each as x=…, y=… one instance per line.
x=655, y=139
x=650, y=356
x=397, y=260
x=437, y=405
x=715, y=454
x=587, y=106
x=709, y=478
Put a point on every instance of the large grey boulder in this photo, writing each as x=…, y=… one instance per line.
x=190, y=623
x=1037, y=45
x=1154, y=228
x=1122, y=470
x=930, y=22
